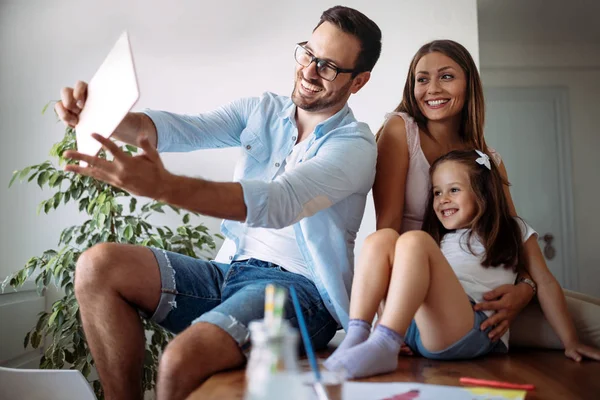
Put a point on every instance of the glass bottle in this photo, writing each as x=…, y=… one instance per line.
x=272, y=371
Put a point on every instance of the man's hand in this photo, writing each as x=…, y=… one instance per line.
x=508, y=301
x=143, y=175
x=129, y=130
x=71, y=103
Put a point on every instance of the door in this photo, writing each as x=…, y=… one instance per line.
x=529, y=128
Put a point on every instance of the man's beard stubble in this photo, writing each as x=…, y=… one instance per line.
x=320, y=103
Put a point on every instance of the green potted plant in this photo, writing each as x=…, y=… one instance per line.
x=113, y=215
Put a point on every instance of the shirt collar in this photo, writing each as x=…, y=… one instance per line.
x=322, y=128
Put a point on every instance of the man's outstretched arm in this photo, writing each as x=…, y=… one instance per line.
x=145, y=175
x=341, y=169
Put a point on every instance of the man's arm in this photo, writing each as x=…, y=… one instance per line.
x=218, y=199
x=167, y=131
x=340, y=168
x=133, y=126
x=343, y=166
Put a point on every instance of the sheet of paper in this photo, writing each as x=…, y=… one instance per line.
x=420, y=391
x=112, y=92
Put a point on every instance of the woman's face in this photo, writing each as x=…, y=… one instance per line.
x=440, y=87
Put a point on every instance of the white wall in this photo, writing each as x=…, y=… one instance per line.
x=577, y=67
x=190, y=57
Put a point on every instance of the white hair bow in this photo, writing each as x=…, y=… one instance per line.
x=484, y=159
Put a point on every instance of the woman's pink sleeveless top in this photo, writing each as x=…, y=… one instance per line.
x=417, y=179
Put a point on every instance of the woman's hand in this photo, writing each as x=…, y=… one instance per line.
x=508, y=301
x=577, y=351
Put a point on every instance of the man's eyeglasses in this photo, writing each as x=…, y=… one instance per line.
x=325, y=69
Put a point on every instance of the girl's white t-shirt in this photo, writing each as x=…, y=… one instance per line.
x=475, y=278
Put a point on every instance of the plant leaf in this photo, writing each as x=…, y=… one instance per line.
x=128, y=232
x=86, y=369
x=36, y=339
x=46, y=106
x=26, y=341
x=42, y=179
x=132, y=204
x=24, y=172
x=15, y=175
x=58, y=358
x=53, y=317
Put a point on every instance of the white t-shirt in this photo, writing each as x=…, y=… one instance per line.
x=278, y=246
x=475, y=278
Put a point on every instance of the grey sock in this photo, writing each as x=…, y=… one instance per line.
x=358, y=331
x=377, y=355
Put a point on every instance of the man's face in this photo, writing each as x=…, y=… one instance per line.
x=312, y=92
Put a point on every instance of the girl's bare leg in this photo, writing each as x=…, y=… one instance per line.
x=423, y=286
x=371, y=280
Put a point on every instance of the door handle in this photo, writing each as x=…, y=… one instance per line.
x=549, y=250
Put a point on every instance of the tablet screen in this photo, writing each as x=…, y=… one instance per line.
x=112, y=92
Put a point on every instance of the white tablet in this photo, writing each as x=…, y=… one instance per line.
x=112, y=92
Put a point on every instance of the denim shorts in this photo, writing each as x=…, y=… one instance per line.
x=475, y=343
x=231, y=295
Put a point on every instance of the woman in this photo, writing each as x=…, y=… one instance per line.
x=443, y=110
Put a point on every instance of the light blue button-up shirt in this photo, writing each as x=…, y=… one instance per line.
x=323, y=197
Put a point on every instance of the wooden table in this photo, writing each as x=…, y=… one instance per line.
x=554, y=376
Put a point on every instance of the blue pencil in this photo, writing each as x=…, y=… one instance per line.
x=318, y=386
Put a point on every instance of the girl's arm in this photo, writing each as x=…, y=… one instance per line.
x=390, y=179
x=554, y=305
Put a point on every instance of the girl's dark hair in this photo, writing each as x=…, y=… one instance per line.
x=493, y=224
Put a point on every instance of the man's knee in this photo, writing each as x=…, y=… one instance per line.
x=202, y=348
x=95, y=266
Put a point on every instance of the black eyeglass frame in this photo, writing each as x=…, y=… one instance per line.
x=322, y=62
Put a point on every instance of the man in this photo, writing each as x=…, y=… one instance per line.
x=290, y=217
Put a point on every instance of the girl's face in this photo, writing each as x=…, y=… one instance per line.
x=440, y=87
x=454, y=202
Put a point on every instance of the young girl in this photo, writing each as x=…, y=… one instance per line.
x=431, y=279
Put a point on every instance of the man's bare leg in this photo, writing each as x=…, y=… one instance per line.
x=194, y=355
x=112, y=282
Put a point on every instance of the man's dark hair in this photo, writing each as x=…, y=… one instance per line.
x=358, y=24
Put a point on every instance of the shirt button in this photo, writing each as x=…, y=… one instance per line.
x=293, y=137
x=277, y=164
x=248, y=147
x=231, y=257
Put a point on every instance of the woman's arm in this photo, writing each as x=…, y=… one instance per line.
x=529, y=249
x=554, y=305
x=390, y=179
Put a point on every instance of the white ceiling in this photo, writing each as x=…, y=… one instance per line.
x=539, y=21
